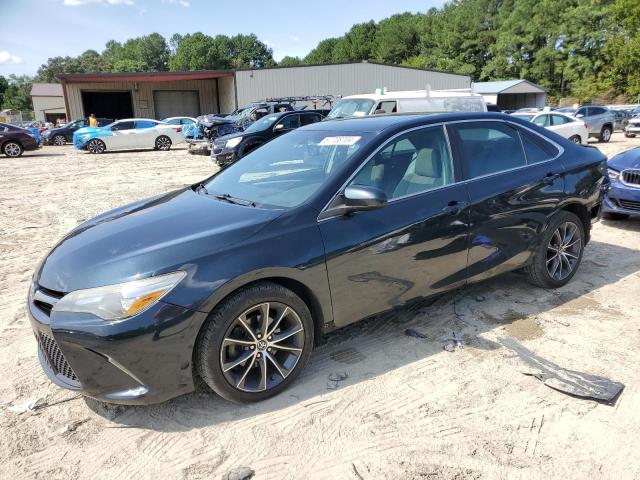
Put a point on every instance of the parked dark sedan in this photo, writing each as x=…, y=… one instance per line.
x=229, y=148
x=63, y=135
x=15, y=140
x=623, y=198
x=235, y=278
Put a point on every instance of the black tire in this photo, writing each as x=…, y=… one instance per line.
x=96, y=146
x=163, y=143
x=222, y=325
x=538, y=271
x=12, y=149
x=629, y=135
x=576, y=139
x=605, y=134
x=614, y=216
x=59, y=140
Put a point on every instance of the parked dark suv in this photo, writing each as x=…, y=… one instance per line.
x=229, y=148
x=235, y=278
x=15, y=140
x=63, y=135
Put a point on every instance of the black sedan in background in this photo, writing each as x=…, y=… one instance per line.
x=229, y=148
x=62, y=135
x=15, y=140
x=235, y=278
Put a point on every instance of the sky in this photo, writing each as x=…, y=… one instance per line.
x=34, y=30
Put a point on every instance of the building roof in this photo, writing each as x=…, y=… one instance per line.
x=46, y=90
x=204, y=74
x=504, y=86
x=143, y=76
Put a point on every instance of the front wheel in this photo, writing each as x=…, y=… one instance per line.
x=576, y=139
x=558, y=256
x=255, y=343
x=163, y=143
x=605, y=134
x=59, y=140
x=629, y=135
x=12, y=149
x=96, y=146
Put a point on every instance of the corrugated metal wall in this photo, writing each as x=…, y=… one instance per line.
x=44, y=105
x=143, y=96
x=345, y=79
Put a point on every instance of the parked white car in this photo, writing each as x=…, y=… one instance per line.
x=569, y=127
x=128, y=134
x=179, y=120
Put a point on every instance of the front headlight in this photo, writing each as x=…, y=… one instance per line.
x=234, y=142
x=122, y=300
x=613, y=175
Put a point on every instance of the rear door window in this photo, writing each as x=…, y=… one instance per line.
x=387, y=106
x=123, y=126
x=542, y=120
x=145, y=124
x=487, y=147
x=309, y=118
x=559, y=119
x=290, y=121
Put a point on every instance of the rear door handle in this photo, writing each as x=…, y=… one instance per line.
x=455, y=207
x=550, y=178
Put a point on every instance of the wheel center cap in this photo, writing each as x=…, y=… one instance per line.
x=262, y=345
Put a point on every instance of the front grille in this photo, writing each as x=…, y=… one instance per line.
x=44, y=299
x=631, y=177
x=55, y=358
x=629, y=205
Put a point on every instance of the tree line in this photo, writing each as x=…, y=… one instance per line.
x=579, y=50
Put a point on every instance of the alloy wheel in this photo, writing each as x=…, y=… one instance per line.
x=59, y=140
x=163, y=143
x=575, y=139
x=563, y=251
x=262, y=347
x=12, y=149
x=95, y=146
x=606, y=134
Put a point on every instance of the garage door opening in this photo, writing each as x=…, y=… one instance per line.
x=114, y=105
x=176, y=103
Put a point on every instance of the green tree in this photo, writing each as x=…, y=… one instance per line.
x=149, y=53
x=323, y=53
x=290, y=61
x=197, y=51
x=4, y=84
x=247, y=51
x=88, y=62
x=357, y=44
x=398, y=38
x=17, y=95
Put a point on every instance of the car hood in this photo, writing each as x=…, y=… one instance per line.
x=153, y=236
x=83, y=130
x=628, y=159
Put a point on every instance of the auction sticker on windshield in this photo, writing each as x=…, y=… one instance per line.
x=342, y=140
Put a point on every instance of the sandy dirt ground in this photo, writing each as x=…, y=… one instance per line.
x=408, y=410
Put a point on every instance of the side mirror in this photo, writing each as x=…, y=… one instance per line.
x=379, y=112
x=279, y=127
x=362, y=197
x=580, y=115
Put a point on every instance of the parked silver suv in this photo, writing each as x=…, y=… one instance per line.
x=599, y=121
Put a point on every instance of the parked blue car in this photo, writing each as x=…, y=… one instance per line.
x=623, y=198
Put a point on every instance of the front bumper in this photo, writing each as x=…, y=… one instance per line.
x=223, y=156
x=142, y=360
x=633, y=129
x=201, y=147
x=622, y=199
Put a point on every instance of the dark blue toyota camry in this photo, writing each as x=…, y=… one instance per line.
x=235, y=278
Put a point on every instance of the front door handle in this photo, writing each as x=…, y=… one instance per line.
x=454, y=207
x=550, y=178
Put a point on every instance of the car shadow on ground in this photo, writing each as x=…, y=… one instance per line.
x=631, y=224
x=376, y=346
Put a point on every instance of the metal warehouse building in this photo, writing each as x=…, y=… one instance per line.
x=512, y=94
x=165, y=94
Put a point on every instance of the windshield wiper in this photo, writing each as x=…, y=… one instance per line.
x=238, y=201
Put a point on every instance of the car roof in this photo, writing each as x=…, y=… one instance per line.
x=137, y=120
x=381, y=123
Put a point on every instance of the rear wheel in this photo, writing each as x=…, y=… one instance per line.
x=163, y=143
x=558, y=257
x=576, y=139
x=255, y=343
x=59, y=140
x=629, y=135
x=12, y=149
x=96, y=146
x=605, y=133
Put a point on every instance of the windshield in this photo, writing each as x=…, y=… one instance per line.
x=263, y=124
x=351, y=107
x=239, y=113
x=286, y=171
